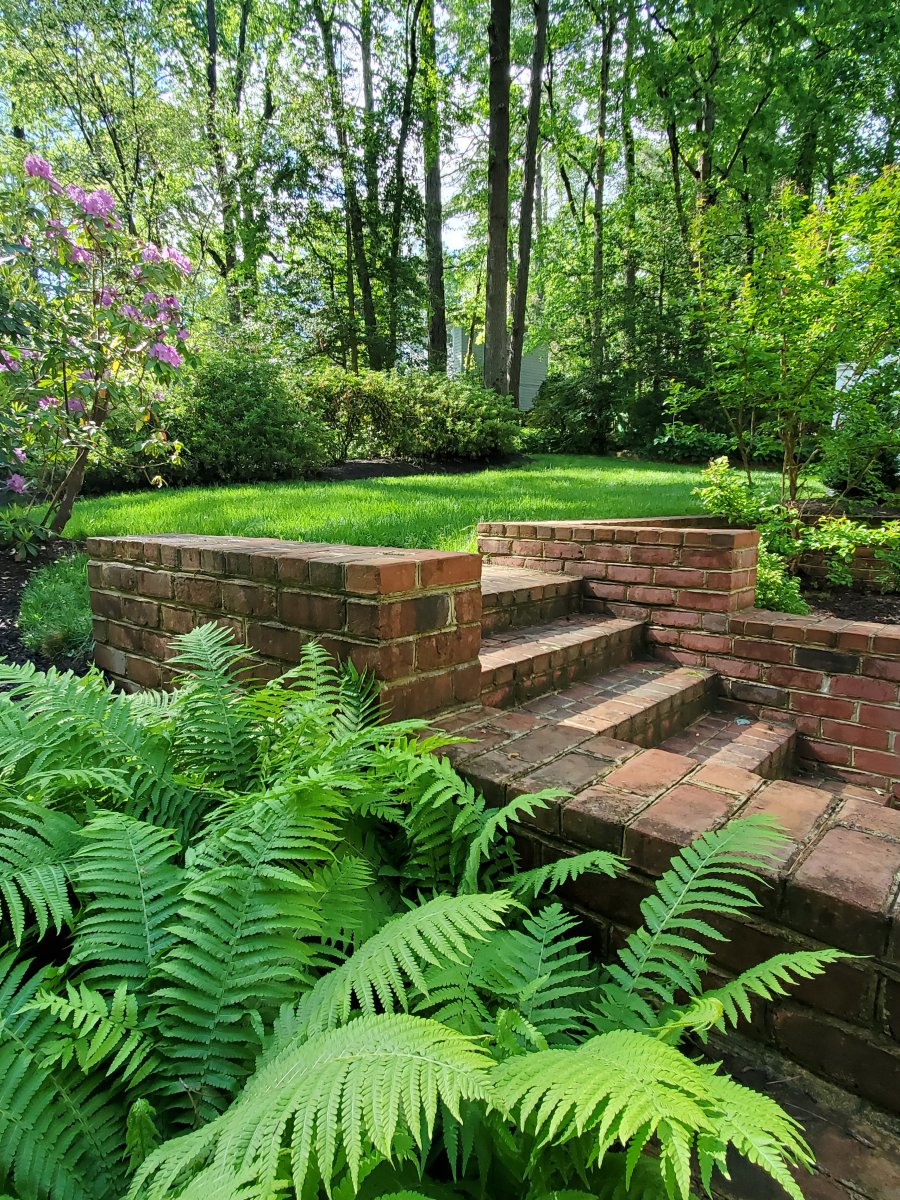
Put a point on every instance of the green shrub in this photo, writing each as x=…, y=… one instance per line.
x=572, y=415
x=55, y=612
x=681, y=442
x=776, y=589
x=239, y=420
x=839, y=538
x=414, y=415
x=298, y=953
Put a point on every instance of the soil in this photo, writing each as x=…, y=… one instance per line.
x=852, y=605
x=13, y=576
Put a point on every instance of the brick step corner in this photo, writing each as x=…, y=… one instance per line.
x=721, y=739
x=519, y=664
x=515, y=597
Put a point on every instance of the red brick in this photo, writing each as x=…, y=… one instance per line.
x=105, y=604
x=651, y=595
x=672, y=822
x=108, y=659
x=771, y=652
x=378, y=576
x=597, y=817
x=327, y=574
x=248, y=598
x=274, y=641
x=879, y=717
x=650, y=772
x=176, y=620
x=198, y=592
x=877, y=762
x=140, y=671
x=628, y=574
x=307, y=610
x=704, y=601
x=797, y=809
x=727, y=779
x=839, y=893
x=822, y=706
x=655, y=556
x=467, y=605
x=856, y=735
x=437, y=650
x=417, y=697
x=141, y=612
x=858, y=688
x=794, y=677
x=712, y=643
x=881, y=668
x=870, y=817
x=707, y=559
x=677, y=577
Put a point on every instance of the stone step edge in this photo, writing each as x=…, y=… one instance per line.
x=554, y=638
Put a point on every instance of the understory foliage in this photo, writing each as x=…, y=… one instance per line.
x=259, y=944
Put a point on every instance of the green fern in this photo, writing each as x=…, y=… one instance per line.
x=566, y=870
x=98, y=1031
x=36, y=845
x=330, y=1099
x=668, y=953
x=125, y=873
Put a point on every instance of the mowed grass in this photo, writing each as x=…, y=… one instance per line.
x=439, y=511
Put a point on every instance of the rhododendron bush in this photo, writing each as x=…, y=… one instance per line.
x=91, y=324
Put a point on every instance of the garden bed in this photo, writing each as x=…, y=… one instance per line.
x=851, y=604
x=13, y=577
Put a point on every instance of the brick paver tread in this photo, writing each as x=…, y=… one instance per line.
x=764, y=747
x=513, y=597
x=499, y=583
x=519, y=664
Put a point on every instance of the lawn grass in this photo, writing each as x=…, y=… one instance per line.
x=439, y=511
x=55, y=611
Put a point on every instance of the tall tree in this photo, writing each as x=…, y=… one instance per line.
x=526, y=212
x=434, y=212
x=497, y=278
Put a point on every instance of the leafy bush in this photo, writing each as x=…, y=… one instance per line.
x=55, y=612
x=776, y=589
x=418, y=416
x=239, y=420
x=839, y=538
x=859, y=457
x=258, y=944
x=681, y=442
x=573, y=415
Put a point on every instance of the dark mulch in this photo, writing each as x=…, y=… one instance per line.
x=13, y=576
x=851, y=605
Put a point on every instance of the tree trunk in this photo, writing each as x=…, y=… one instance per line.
x=434, y=212
x=70, y=491
x=227, y=261
x=351, y=301
x=526, y=212
x=351, y=196
x=495, y=347
x=629, y=257
x=370, y=149
x=608, y=16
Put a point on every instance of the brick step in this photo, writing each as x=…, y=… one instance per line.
x=764, y=747
x=519, y=664
x=639, y=702
x=513, y=598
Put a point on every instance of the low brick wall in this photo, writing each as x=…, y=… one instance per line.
x=869, y=573
x=413, y=617
x=837, y=681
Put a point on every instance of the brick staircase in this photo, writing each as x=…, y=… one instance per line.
x=591, y=671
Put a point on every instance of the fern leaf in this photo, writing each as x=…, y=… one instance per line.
x=379, y=974
x=668, y=953
x=333, y=1098
x=566, y=870
x=99, y=1030
x=498, y=824
x=125, y=866
x=141, y=1133
x=543, y=971
x=36, y=844
x=61, y=1135
x=215, y=738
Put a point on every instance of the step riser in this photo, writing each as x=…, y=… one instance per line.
x=660, y=719
x=549, y=670
x=521, y=614
x=778, y=763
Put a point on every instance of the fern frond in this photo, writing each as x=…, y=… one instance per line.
x=141, y=1133
x=497, y=824
x=61, y=1135
x=330, y=1100
x=97, y=1030
x=385, y=968
x=543, y=971
x=359, y=704
x=725, y=1005
x=566, y=870
x=215, y=738
x=125, y=867
x=669, y=952
x=625, y=1088
x=36, y=843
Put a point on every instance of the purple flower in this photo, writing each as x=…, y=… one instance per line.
x=107, y=295
x=132, y=313
x=16, y=483
x=150, y=253
x=37, y=167
x=181, y=261
x=172, y=303
x=7, y=362
x=135, y=272
x=183, y=334
x=56, y=228
x=166, y=354
x=150, y=298
x=78, y=254
x=99, y=203
x=74, y=405
x=48, y=402
x=29, y=354
x=19, y=453
x=26, y=241
x=76, y=194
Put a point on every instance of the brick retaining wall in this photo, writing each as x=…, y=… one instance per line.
x=837, y=681
x=413, y=617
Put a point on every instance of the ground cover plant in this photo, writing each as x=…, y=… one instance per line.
x=258, y=944
x=438, y=510
x=55, y=611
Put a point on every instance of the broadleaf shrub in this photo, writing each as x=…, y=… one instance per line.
x=572, y=415
x=259, y=943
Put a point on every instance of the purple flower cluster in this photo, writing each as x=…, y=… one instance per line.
x=166, y=354
x=39, y=168
x=17, y=483
x=7, y=362
x=181, y=261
